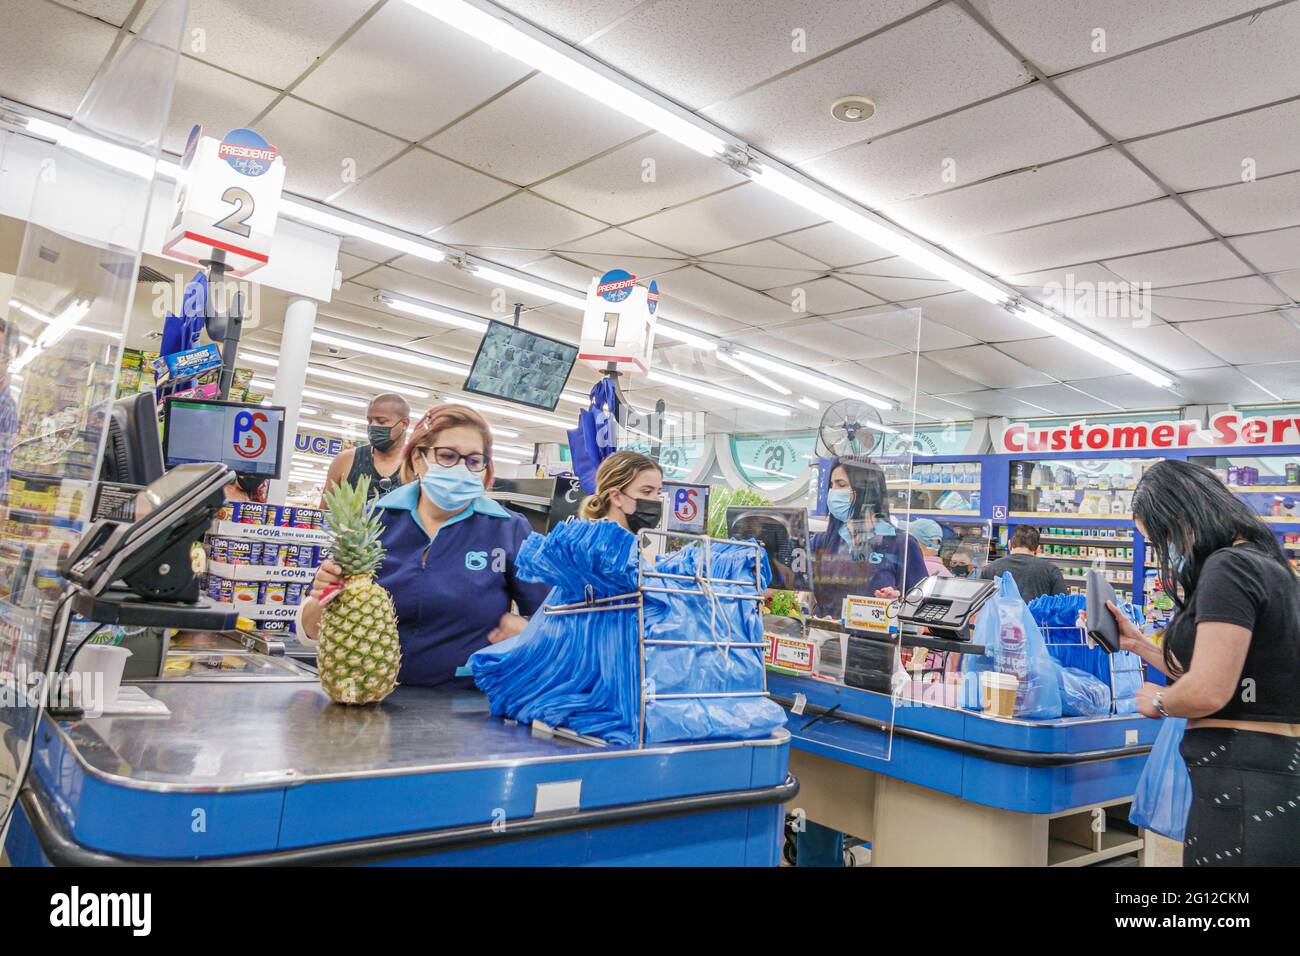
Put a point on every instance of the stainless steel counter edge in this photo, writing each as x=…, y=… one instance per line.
x=292, y=779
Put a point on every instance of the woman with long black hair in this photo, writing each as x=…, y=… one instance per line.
x=1232, y=653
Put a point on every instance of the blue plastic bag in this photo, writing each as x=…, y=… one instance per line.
x=1062, y=611
x=1164, y=791
x=1015, y=645
x=1082, y=695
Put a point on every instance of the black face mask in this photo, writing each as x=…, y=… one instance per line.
x=960, y=570
x=381, y=437
x=648, y=513
x=249, y=483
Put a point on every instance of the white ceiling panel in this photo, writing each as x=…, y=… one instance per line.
x=1058, y=359
x=476, y=301
x=1063, y=36
x=1233, y=67
x=1251, y=207
x=1042, y=283
x=1280, y=378
x=1011, y=132
x=988, y=366
x=1202, y=262
x=638, y=179
x=764, y=265
x=1288, y=282
x=523, y=221
x=973, y=316
x=990, y=401
x=892, y=288
x=351, y=265
x=1130, y=392
x=571, y=20
x=1260, y=143
x=219, y=101
x=837, y=342
x=1271, y=251
x=409, y=74
x=271, y=43
x=790, y=117
x=824, y=296
x=1212, y=386
x=695, y=318
x=321, y=149
x=834, y=245
x=1061, y=190
x=724, y=297
x=905, y=328
x=700, y=53
x=1247, y=339
x=731, y=218
x=399, y=193
x=1063, y=399
x=49, y=55
x=898, y=384
x=1209, y=300
x=571, y=274
x=1166, y=346
x=110, y=11
x=780, y=346
x=1104, y=235
x=537, y=129
x=444, y=272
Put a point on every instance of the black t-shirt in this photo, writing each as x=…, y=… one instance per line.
x=1034, y=576
x=1246, y=587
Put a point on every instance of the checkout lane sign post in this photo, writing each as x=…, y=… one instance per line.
x=687, y=507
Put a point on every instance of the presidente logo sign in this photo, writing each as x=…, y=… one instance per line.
x=250, y=441
x=1226, y=429
x=615, y=285
x=247, y=152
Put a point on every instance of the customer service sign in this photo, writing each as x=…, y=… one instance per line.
x=1225, y=429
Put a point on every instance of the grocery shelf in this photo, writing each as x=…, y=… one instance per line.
x=1083, y=537
x=1071, y=557
x=902, y=484
x=1059, y=515
x=268, y=532
x=261, y=572
x=940, y=513
x=1293, y=489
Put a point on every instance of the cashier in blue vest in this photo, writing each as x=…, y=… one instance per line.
x=449, y=560
x=861, y=552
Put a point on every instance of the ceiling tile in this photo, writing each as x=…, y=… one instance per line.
x=726, y=298
x=731, y=218
x=571, y=274
x=1104, y=235
x=1058, y=359
x=1215, y=386
x=1011, y=132
x=535, y=130
x=638, y=179
x=1166, y=346
x=1062, y=399
x=1271, y=251
x=932, y=378
x=1208, y=300
x=351, y=265
x=271, y=43
x=973, y=316
x=321, y=149
x=988, y=366
x=700, y=53
x=217, y=100
x=764, y=265
x=110, y=11
x=399, y=194
x=50, y=54
x=1251, y=207
x=996, y=402
x=523, y=221
x=362, y=290
x=1237, y=66
x=571, y=20
x=834, y=245
x=781, y=347
x=895, y=279
x=1060, y=36
x=1130, y=392
x=790, y=117
x=1061, y=190
x=838, y=342
x=1288, y=282
x=407, y=73
x=1244, y=339
x=445, y=272
x=824, y=296
x=695, y=318
x=1263, y=142
x=1202, y=262
x=905, y=328
x=1280, y=378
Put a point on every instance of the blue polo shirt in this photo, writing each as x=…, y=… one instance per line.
x=450, y=590
x=837, y=574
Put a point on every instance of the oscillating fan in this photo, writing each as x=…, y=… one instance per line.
x=848, y=428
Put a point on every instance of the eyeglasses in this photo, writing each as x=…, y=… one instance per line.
x=450, y=458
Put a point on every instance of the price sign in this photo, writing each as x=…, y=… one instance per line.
x=870, y=614
x=227, y=198
x=688, y=507
x=618, y=325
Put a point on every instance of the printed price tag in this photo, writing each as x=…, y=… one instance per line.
x=870, y=614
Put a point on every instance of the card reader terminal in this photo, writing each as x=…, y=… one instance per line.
x=945, y=606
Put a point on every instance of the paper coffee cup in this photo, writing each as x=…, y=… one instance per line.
x=999, y=692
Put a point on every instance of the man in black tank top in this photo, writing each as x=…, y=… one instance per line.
x=387, y=419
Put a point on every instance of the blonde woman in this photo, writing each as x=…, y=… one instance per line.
x=629, y=489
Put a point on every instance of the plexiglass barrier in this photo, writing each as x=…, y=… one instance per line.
x=63, y=327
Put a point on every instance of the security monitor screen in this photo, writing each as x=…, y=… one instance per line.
x=521, y=366
x=248, y=438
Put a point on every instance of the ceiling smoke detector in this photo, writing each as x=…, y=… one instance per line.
x=853, y=109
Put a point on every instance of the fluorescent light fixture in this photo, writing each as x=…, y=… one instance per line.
x=327, y=427
x=575, y=398
x=432, y=312
x=525, y=284
x=53, y=333
x=129, y=160
x=512, y=449
x=394, y=353
x=810, y=402
x=349, y=419
x=525, y=416
x=757, y=376
x=332, y=222
x=812, y=378
x=508, y=461
x=669, y=331
x=1039, y=317
x=500, y=432
x=262, y=385
x=363, y=380
x=583, y=75
x=725, y=394
x=874, y=230
x=302, y=409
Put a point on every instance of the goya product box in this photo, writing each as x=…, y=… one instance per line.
x=295, y=593
x=248, y=512
x=239, y=551
x=272, y=593
x=246, y=592
x=221, y=550
x=307, y=518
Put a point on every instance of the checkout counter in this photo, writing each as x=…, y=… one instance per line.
x=236, y=756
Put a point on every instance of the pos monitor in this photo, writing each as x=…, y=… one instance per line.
x=248, y=439
x=133, y=454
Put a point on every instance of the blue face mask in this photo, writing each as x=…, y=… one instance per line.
x=451, y=488
x=884, y=529
x=839, y=502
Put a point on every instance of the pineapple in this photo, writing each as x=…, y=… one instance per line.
x=359, y=653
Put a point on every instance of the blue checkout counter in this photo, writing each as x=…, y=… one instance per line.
x=952, y=787
x=265, y=770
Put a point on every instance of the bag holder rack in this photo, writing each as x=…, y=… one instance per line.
x=704, y=582
x=1085, y=641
